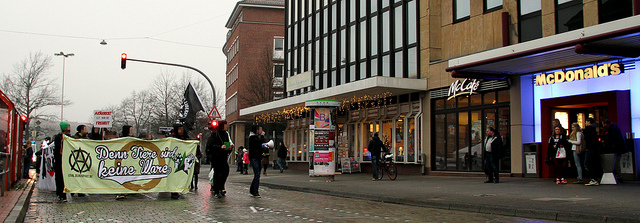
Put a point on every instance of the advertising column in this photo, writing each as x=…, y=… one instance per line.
x=322, y=163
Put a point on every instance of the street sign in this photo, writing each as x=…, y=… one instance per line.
x=215, y=112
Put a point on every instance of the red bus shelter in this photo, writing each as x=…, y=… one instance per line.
x=11, y=134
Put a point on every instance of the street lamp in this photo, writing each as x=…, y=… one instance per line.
x=64, y=59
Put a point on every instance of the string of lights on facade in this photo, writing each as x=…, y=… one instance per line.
x=354, y=103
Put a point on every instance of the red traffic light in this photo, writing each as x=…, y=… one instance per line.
x=198, y=136
x=123, y=61
x=23, y=118
x=214, y=123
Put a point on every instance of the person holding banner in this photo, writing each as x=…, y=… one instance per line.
x=65, y=129
x=219, y=146
x=178, y=133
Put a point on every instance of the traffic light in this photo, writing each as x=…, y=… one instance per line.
x=23, y=118
x=198, y=136
x=214, y=124
x=123, y=61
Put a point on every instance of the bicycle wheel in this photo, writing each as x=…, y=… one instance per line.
x=392, y=171
x=380, y=172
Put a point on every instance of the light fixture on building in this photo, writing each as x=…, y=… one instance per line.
x=103, y=42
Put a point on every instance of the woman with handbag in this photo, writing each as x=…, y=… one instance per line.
x=557, y=152
x=576, y=138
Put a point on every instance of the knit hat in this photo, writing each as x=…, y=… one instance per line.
x=63, y=125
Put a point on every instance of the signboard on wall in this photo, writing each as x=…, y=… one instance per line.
x=301, y=80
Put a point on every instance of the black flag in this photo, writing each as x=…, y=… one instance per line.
x=191, y=104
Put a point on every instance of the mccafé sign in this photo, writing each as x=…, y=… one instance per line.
x=578, y=74
x=465, y=86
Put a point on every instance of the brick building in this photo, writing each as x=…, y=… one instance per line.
x=255, y=59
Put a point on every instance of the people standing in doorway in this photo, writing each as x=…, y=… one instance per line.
x=591, y=155
x=219, y=146
x=282, y=156
x=614, y=143
x=576, y=138
x=374, y=147
x=558, y=152
x=556, y=123
x=65, y=129
x=493, y=152
x=256, y=139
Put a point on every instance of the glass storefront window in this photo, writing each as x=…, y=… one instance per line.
x=439, y=104
x=399, y=143
x=439, y=142
x=463, y=141
x=476, y=100
x=503, y=96
x=386, y=136
x=451, y=129
x=411, y=141
x=489, y=98
x=474, y=161
x=463, y=101
x=451, y=104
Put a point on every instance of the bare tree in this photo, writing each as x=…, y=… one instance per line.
x=167, y=97
x=260, y=88
x=137, y=109
x=30, y=88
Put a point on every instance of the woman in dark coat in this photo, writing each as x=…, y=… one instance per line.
x=558, y=141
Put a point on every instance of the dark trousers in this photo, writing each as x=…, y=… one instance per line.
x=374, y=166
x=255, y=184
x=26, y=165
x=491, y=167
x=281, y=163
x=592, y=166
x=220, y=175
x=559, y=167
x=57, y=167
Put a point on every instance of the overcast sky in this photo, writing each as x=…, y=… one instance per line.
x=188, y=32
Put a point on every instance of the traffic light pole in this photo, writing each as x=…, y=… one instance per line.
x=213, y=90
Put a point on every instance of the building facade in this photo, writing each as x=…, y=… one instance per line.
x=255, y=60
x=363, y=54
x=516, y=66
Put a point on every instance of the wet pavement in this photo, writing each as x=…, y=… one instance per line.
x=276, y=205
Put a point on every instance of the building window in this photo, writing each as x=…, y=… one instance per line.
x=233, y=50
x=232, y=104
x=568, y=15
x=610, y=10
x=232, y=76
x=278, y=48
x=492, y=5
x=530, y=19
x=461, y=10
x=278, y=70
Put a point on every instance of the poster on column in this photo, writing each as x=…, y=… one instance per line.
x=128, y=165
x=322, y=118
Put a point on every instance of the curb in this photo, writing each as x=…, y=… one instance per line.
x=19, y=211
x=474, y=208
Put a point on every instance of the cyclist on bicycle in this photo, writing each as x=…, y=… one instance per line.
x=374, y=147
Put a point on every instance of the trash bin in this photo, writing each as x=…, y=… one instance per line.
x=531, y=162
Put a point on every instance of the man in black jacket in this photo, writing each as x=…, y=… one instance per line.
x=374, y=147
x=493, y=152
x=256, y=139
x=591, y=157
x=219, y=146
x=65, y=129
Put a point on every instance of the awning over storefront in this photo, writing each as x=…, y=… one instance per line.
x=370, y=86
x=602, y=42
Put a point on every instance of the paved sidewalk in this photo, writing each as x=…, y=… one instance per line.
x=513, y=196
x=14, y=203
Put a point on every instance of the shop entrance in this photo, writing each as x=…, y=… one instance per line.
x=579, y=113
x=613, y=105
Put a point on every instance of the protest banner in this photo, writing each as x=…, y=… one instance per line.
x=128, y=165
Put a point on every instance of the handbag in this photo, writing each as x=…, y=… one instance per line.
x=561, y=153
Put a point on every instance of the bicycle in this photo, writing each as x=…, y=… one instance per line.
x=386, y=164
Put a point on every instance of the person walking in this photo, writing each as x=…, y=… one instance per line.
x=591, y=154
x=282, y=156
x=374, y=147
x=57, y=160
x=219, y=146
x=557, y=152
x=26, y=159
x=256, y=139
x=245, y=161
x=493, y=153
x=576, y=138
